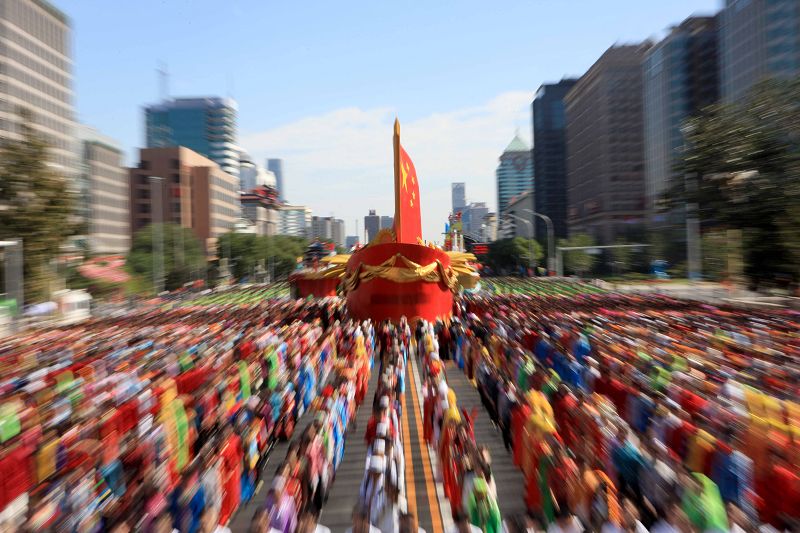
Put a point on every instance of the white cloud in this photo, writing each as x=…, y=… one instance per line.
x=340, y=162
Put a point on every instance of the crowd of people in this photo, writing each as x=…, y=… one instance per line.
x=160, y=420
x=635, y=413
x=624, y=413
x=382, y=505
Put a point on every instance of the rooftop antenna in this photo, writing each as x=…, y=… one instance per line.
x=163, y=80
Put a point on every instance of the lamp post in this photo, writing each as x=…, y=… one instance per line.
x=530, y=241
x=551, y=241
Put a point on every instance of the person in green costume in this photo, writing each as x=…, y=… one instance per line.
x=702, y=503
x=482, y=508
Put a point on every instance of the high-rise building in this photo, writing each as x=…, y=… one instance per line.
x=204, y=125
x=36, y=76
x=180, y=186
x=472, y=219
x=459, y=193
x=104, y=193
x=352, y=240
x=680, y=79
x=338, y=232
x=295, y=220
x=550, y=155
x=759, y=39
x=605, y=152
x=252, y=175
x=322, y=228
x=387, y=222
x=276, y=167
x=372, y=225
x=514, y=174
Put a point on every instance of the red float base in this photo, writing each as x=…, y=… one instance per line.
x=382, y=299
x=303, y=287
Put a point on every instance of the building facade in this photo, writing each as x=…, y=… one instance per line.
x=204, y=125
x=605, y=151
x=252, y=175
x=322, y=228
x=276, y=167
x=518, y=208
x=104, y=194
x=295, y=220
x=36, y=77
x=472, y=218
x=680, y=79
x=352, y=240
x=387, y=222
x=180, y=186
x=514, y=174
x=372, y=225
x=759, y=39
x=260, y=207
x=550, y=155
x=339, y=232
x=459, y=195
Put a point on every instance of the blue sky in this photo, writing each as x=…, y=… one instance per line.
x=318, y=82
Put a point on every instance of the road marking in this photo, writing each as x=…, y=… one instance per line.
x=430, y=484
x=411, y=491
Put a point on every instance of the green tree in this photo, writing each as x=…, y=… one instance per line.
x=247, y=252
x=35, y=206
x=742, y=168
x=621, y=257
x=510, y=254
x=578, y=261
x=184, y=258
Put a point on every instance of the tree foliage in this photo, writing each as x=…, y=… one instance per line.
x=509, y=254
x=35, y=206
x=184, y=257
x=578, y=261
x=249, y=252
x=742, y=168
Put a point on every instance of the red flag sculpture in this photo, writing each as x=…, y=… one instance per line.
x=407, y=217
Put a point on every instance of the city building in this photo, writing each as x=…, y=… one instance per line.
x=387, y=222
x=514, y=174
x=472, y=218
x=252, y=175
x=352, y=240
x=180, y=186
x=680, y=79
x=605, y=151
x=260, y=207
x=276, y=167
x=295, y=220
x=372, y=224
x=759, y=39
x=322, y=228
x=204, y=125
x=489, y=227
x=459, y=193
x=518, y=208
x=36, y=76
x=338, y=232
x=104, y=191
x=550, y=155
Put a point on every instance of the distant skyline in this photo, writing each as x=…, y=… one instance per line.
x=319, y=85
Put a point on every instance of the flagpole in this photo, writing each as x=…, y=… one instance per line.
x=396, y=145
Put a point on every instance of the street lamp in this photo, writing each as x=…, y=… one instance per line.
x=551, y=241
x=530, y=241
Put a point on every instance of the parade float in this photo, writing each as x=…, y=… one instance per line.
x=315, y=276
x=398, y=274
